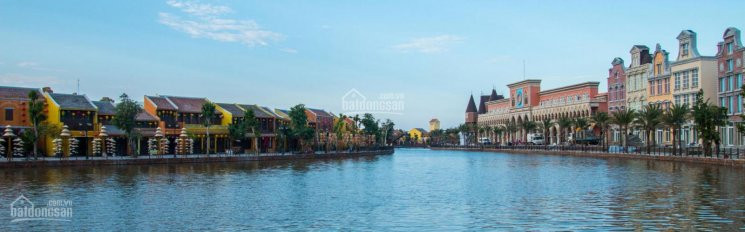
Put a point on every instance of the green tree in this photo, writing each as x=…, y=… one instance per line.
x=236, y=132
x=387, y=129
x=581, y=125
x=601, y=121
x=339, y=129
x=208, y=112
x=511, y=128
x=529, y=126
x=623, y=119
x=125, y=119
x=674, y=117
x=300, y=129
x=564, y=123
x=546, y=125
x=37, y=116
x=707, y=117
x=497, y=133
x=251, y=124
x=649, y=119
x=370, y=124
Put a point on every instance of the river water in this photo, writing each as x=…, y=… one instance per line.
x=412, y=190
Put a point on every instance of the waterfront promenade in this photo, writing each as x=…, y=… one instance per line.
x=20, y=162
x=726, y=156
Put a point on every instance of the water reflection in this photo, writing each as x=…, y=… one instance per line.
x=412, y=190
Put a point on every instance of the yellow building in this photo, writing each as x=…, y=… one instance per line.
x=418, y=135
x=76, y=112
x=434, y=124
x=660, y=92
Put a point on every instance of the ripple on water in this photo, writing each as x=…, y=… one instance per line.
x=413, y=190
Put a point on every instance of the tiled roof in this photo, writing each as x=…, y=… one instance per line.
x=321, y=113
x=233, y=109
x=482, y=104
x=105, y=107
x=145, y=116
x=285, y=114
x=72, y=101
x=258, y=112
x=161, y=103
x=188, y=104
x=16, y=93
x=270, y=111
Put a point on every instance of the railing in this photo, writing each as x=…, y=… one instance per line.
x=721, y=153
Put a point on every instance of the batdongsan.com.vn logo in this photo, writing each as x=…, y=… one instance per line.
x=354, y=102
x=22, y=209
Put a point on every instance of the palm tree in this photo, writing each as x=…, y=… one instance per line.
x=649, y=119
x=511, y=128
x=37, y=116
x=497, y=130
x=564, y=124
x=546, y=125
x=580, y=124
x=674, y=117
x=339, y=127
x=529, y=126
x=208, y=112
x=601, y=121
x=623, y=119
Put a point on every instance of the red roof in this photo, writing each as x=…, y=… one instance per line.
x=161, y=103
x=16, y=93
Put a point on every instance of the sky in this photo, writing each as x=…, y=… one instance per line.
x=429, y=55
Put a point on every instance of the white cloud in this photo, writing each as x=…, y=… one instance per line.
x=27, y=64
x=434, y=44
x=289, y=50
x=201, y=21
x=20, y=79
x=198, y=8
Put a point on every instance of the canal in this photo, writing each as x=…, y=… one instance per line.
x=412, y=190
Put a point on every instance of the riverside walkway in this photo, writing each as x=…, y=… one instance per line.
x=173, y=159
x=725, y=156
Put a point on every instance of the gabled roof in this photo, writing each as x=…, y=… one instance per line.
x=258, y=112
x=234, y=109
x=72, y=101
x=187, y=104
x=471, y=108
x=285, y=114
x=321, y=113
x=145, y=116
x=494, y=96
x=16, y=93
x=105, y=107
x=482, y=104
x=434, y=120
x=161, y=103
x=270, y=111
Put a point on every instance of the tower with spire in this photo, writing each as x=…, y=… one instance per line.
x=471, y=111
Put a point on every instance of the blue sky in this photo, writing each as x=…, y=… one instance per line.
x=280, y=53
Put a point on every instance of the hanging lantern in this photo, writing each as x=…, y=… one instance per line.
x=73, y=146
x=96, y=146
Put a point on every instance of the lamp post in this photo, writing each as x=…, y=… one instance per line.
x=8, y=135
